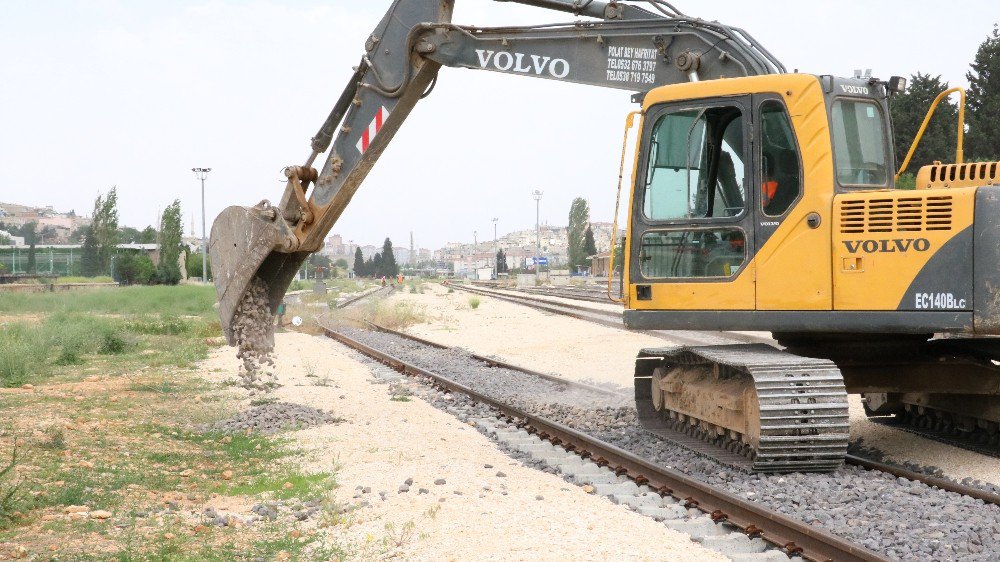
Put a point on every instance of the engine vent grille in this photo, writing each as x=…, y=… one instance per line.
x=895, y=214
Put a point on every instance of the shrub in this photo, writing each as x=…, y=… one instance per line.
x=193, y=264
x=474, y=302
x=168, y=274
x=113, y=342
x=8, y=488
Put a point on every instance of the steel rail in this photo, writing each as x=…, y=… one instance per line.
x=607, y=318
x=503, y=364
x=942, y=483
x=869, y=464
x=356, y=298
x=791, y=536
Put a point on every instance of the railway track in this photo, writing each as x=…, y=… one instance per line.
x=387, y=290
x=613, y=319
x=869, y=464
x=784, y=533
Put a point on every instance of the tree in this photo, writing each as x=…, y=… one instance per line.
x=148, y=236
x=29, y=231
x=389, y=267
x=168, y=269
x=78, y=234
x=589, y=246
x=984, y=100
x=502, y=262
x=620, y=256
x=341, y=263
x=321, y=265
x=128, y=235
x=376, y=265
x=101, y=237
x=908, y=110
x=359, y=263
x=90, y=259
x=579, y=217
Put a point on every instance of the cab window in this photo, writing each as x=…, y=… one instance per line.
x=692, y=253
x=696, y=165
x=781, y=177
x=859, y=150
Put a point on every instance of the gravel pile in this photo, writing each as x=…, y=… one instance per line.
x=253, y=330
x=899, y=518
x=273, y=417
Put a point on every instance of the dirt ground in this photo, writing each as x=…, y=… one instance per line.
x=584, y=351
x=475, y=514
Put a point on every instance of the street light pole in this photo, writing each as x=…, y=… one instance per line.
x=537, y=195
x=202, y=173
x=496, y=251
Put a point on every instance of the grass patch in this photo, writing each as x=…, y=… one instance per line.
x=474, y=302
x=130, y=440
x=79, y=327
x=276, y=485
x=77, y=279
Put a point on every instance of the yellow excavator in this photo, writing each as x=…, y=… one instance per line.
x=761, y=200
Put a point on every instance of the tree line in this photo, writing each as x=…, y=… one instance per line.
x=99, y=252
x=982, y=139
x=382, y=264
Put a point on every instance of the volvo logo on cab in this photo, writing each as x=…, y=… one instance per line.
x=520, y=62
x=888, y=246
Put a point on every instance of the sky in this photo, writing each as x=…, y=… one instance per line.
x=133, y=94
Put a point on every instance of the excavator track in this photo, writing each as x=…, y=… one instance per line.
x=763, y=409
x=979, y=436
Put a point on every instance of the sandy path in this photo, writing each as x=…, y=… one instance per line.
x=384, y=442
x=581, y=350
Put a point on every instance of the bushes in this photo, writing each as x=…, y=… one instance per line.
x=135, y=269
x=193, y=265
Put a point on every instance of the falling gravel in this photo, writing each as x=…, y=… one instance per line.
x=901, y=519
x=253, y=330
x=273, y=417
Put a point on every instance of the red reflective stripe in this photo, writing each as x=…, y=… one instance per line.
x=364, y=140
x=378, y=120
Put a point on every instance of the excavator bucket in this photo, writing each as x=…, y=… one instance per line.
x=244, y=245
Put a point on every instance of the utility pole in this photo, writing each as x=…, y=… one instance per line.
x=537, y=196
x=496, y=252
x=202, y=173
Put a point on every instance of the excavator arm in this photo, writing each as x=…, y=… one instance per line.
x=627, y=47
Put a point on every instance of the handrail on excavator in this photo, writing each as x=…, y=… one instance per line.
x=629, y=122
x=959, y=152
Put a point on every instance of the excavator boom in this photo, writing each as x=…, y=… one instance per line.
x=628, y=48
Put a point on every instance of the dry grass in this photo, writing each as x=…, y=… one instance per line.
x=391, y=314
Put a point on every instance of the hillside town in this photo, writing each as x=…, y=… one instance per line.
x=60, y=233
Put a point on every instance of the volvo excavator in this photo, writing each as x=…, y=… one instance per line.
x=760, y=200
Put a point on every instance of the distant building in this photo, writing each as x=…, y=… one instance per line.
x=54, y=227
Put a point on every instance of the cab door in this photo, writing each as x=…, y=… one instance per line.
x=791, y=241
x=692, y=225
